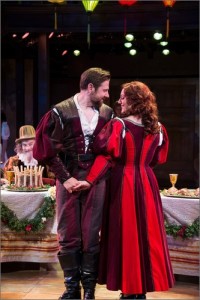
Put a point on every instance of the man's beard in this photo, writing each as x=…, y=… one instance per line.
x=97, y=104
x=26, y=157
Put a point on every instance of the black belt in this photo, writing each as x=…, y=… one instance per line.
x=80, y=157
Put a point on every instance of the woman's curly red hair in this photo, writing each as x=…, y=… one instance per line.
x=142, y=104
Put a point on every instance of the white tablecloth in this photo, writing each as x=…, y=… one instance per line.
x=180, y=211
x=43, y=246
x=184, y=254
x=30, y=247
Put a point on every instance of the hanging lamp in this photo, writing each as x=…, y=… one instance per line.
x=126, y=4
x=55, y=11
x=168, y=4
x=89, y=6
x=57, y=1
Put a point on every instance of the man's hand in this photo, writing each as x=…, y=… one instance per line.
x=82, y=185
x=70, y=184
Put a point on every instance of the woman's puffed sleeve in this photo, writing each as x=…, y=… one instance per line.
x=48, y=143
x=161, y=152
x=108, y=145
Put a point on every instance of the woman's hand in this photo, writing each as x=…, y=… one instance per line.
x=82, y=185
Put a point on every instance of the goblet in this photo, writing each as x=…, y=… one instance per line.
x=9, y=176
x=173, y=179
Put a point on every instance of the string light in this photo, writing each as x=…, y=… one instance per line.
x=157, y=36
x=128, y=45
x=132, y=52
x=166, y=51
x=163, y=43
x=25, y=35
x=129, y=37
x=64, y=52
x=51, y=34
x=77, y=52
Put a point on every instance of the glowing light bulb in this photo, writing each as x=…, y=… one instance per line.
x=77, y=52
x=157, y=36
x=129, y=37
x=166, y=51
x=164, y=43
x=132, y=52
x=128, y=45
x=25, y=35
x=51, y=34
x=64, y=52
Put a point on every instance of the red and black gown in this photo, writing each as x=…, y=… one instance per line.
x=134, y=252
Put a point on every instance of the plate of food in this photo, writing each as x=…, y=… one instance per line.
x=181, y=193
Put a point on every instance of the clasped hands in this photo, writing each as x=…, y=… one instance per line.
x=74, y=185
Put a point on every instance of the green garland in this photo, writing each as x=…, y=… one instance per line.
x=47, y=210
x=183, y=231
x=9, y=218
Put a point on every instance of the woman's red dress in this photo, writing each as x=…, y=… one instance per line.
x=134, y=253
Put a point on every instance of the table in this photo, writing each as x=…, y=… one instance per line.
x=184, y=254
x=41, y=247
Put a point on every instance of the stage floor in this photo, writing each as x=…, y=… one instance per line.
x=46, y=282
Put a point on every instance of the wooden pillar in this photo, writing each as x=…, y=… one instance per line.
x=43, y=76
